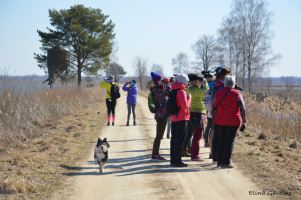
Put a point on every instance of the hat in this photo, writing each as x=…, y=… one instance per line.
x=133, y=82
x=193, y=77
x=207, y=74
x=156, y=77
x=217, y=69
x=182, y=78
x=167, y=80
x=110, y=78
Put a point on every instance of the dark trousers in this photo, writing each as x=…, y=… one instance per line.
x=133, y=107
x=188, y=136
x=214, y=144
x=111, y=104
x=161, y=125
x=207, y=132
x=178, y=131
x=226, y=141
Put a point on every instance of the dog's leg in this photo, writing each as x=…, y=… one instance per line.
x=95, y=161
x=101, y=167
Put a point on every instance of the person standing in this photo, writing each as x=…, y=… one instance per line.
x=160, y=94
x=132, y=90
x=229, y=107
x=179, y=121
x=167, y=81
x=110, y=102
x=198, y=88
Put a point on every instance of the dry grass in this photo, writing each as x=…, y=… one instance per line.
x=263, y=151
x=42, y=133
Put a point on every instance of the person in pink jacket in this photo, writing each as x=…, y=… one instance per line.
x=179, y=121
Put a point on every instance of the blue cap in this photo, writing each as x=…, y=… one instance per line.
x=217, y=69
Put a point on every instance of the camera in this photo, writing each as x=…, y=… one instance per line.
x=242, y=128
x=163, y=80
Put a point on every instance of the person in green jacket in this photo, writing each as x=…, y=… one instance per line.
x=198, y=88
x=110, y=102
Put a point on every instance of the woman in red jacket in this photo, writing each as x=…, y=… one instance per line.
x=179, y=121
x=229, y=106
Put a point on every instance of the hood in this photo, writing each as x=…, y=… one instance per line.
x=177, y=85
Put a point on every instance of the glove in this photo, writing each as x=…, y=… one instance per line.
x=204, y=80
x=128, y=82
x=188, y=95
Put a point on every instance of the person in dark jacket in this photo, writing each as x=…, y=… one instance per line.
x=160, y=94
x=227, y=119
x=179, y=121
x=132, y=90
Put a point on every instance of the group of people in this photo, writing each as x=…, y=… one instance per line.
x=224, y=115
x=187, y=126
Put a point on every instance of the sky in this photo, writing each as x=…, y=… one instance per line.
x=156, y=29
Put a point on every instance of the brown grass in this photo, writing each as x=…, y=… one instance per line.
x=44, y=132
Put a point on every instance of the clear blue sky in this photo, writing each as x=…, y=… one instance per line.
x=158, y=29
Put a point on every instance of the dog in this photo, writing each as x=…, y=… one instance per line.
x=101, y=153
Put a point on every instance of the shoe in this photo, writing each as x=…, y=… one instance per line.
x=180, y=165
x=113, y=123
x=197, y=159
x=189, y=150
x=127, y=124
x=172, y=164
x=134, y=123
x=207, y=144
x=227, y=166
x=185, y=152
x=218, y=165
x=168, y=135
x=108, y=124
x=158, y=159
x=210, y=156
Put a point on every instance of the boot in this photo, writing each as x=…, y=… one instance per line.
x=189, y=150
x=185, y=152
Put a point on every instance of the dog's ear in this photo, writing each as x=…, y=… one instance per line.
x=108, y=145
x=99, y=140
x=105, y=140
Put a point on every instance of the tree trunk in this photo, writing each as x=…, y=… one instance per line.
x=249, y=75
x=79, y=75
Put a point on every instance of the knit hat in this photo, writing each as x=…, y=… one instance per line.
x=182, y=78
x=133, y=82
x=156, y=77
x=111, y=78
x=167, y=80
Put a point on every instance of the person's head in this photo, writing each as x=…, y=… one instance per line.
x=229, y=81
x=195, y=79
x=222, y=73
x=183, y=79
x=208, y=75
x=110, y=79
x=167, y=80
x=172, y=79
x=157, y=78
x=133, y=82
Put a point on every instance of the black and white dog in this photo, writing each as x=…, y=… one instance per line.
x=101, y=153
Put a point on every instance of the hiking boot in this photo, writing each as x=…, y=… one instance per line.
x=108, y=124
x=189, y=150
x=207, y=144
x=127, y=124
x=185, y=152
x=158, y=159
x=180, y=165
x=168, y=135
x=113, y=123
x=227, y=166
x=197, y=159
x=210, y=156
x=134, y=123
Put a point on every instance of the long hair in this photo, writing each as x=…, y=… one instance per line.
x=192, y=84
x=222, y=73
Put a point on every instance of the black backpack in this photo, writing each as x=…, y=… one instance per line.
x=115, y=92
x=171, y=106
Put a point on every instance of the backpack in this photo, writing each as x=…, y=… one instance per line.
x=151, y=103
x=115, y=92
x=171, y=105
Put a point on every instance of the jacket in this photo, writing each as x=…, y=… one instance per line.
x=182, y=101
x=132, y=93
x=197, y=98
x=108, y=87
x=160, y=96
x=229, y=110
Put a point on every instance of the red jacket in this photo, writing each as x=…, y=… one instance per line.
x=183, y=102
x=228, y=113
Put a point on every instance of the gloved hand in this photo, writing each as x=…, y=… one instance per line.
x=188, y=95
x=204, y=80
x=128, y=82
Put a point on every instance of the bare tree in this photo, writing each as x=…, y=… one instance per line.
x=158, y=69
x=255, y=22
x=180, y=63
x=140, y=66
x=206, y=50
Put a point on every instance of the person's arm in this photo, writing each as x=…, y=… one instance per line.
x=242, y=108
x=103, y=84
x=183, y=100
x=124, y=88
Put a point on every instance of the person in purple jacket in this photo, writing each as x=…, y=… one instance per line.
x=132, y=90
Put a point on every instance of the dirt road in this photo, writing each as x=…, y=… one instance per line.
x=129, y=173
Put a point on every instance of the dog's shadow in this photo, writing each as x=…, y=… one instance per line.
x=136, y=165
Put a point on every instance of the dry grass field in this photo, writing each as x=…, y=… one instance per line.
x=43, y=132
